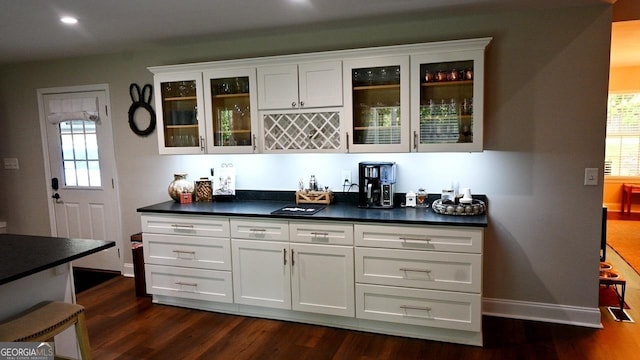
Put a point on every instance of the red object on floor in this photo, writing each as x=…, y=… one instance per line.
x=609, y=297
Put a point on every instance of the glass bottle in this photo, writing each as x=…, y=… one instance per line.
x=421, y=197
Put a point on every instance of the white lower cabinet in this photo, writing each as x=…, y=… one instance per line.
x=408, y=280
x=420, y=275
x=198, y=284
x=306, y=273
x=261, y=274
x=440, y=309
x=322, y=279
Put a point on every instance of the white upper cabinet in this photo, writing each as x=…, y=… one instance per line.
x=300, y=86
x=447, y=97
x=376, y=97
x=179, y=115
x=231, y=110
x=426, y=97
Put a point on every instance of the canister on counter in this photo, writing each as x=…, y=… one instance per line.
x=204, y=189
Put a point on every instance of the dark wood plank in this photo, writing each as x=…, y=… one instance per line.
x=122, y=326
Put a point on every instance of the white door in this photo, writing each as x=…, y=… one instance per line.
x=322, y=279
x=79, y=145
x=261, y=273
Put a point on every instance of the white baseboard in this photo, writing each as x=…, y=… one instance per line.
x=552, y=313
x=127, y=269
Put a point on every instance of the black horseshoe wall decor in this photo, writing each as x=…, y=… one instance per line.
x=141, y=99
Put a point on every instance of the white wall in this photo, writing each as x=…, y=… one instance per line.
x=544, y=123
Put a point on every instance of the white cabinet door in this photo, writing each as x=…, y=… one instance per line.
x=320, y=84
x=278, y=87
x=261, y=273
x=447, y=102
x=376, y=103
x=179, y=112
x=322, y=279
x=296, y=86
x=231, y=110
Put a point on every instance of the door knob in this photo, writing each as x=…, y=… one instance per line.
x=56, y=196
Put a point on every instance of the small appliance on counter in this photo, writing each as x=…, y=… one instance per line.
x=376, y=184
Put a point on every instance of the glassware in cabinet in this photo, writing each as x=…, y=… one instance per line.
x=447, y=98
x=376, y=93
x=231, y=110
x=179, y=128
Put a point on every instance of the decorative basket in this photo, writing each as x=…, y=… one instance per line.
x=204, y=189
x=477, y=207
x=314, y=197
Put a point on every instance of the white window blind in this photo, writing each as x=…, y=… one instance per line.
x=622, y=152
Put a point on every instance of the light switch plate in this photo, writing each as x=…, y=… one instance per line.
x=11, y=163
x=591, y=176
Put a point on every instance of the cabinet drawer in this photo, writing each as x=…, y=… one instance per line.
x=321, y=233
x=187, y=251
x=456, y=239
x=211, y=285
x=419, y=269
x=186, y=225
x=432, y=308
x=260, y=229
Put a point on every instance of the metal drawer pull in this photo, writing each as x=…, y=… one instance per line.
x=186, y=226
x=415, y=239
x=186, y=283
x=285, y=256
x=416, y=270
x=320, y=236
x=184, y=252
x=409, y=307
x=258, y=230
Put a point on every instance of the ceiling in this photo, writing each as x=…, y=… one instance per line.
x=31, y=29
x=625, y=43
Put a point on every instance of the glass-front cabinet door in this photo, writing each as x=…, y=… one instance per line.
x=376, y=92
x=232, y=111
x=447, y=101
x=179, y=123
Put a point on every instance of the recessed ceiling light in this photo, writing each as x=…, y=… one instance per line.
x=69, y=20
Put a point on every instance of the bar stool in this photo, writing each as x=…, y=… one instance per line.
x=46, y=320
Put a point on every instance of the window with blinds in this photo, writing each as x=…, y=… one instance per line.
x=622, y=152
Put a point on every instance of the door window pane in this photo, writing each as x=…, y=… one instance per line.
x=80, y=154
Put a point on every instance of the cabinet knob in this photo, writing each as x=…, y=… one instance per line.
x=293, y=104
x=301, y=103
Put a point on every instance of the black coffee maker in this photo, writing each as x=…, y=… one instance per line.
x=376, y=184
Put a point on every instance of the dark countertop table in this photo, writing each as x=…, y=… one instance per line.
x=334, y=212
x=24, y=255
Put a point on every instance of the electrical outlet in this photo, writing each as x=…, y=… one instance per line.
x=346, y=177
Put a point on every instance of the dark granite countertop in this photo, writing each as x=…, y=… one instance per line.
x=24, y=255
x=341, y=210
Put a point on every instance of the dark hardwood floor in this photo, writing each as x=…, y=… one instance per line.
x=122, y=326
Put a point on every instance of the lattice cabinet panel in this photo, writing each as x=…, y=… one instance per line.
x=302, y=131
